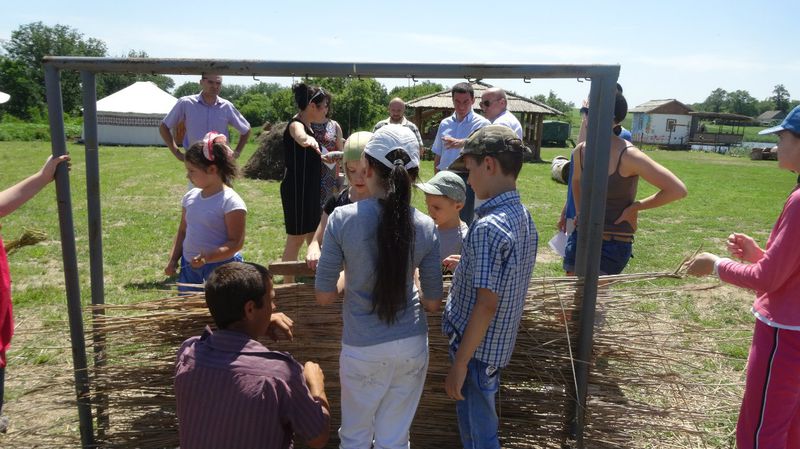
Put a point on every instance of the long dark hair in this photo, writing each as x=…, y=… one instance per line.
x=223, y=159
x=395, y=235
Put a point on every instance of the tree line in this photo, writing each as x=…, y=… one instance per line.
x=357, y=105
x=741, y=102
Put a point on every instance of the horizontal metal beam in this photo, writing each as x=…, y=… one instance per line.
x=318, y=69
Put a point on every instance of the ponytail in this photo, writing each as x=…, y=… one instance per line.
x=395, y=236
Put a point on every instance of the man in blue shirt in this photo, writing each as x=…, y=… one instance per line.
x=452, y=134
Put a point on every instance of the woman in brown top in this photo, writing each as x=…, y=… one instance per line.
x=626, y=164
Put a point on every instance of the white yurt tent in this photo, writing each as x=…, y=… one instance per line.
x=132, y=115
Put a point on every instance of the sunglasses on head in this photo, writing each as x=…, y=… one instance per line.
x=320, y=92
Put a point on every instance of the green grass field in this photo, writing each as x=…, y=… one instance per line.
x=142, y=187
x=141, y=190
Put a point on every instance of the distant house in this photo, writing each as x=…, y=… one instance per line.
x=661, y=122
x=770, y=117
x=132, y=115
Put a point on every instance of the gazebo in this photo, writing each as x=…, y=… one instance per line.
x=430, y=109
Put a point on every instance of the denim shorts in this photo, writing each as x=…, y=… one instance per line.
x=189, y=275
x=613, y=258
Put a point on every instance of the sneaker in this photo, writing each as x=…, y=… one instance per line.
x=3, y=424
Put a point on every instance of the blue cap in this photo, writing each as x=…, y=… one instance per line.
x=791, y=123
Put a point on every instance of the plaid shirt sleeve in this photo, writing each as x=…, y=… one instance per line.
x=491, y=256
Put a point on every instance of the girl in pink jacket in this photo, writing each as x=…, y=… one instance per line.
x=770, y=412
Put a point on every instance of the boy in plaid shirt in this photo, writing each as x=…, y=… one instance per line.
x=487, y=296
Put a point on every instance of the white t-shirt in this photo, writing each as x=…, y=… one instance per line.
x=510, y=120
x=205, y=219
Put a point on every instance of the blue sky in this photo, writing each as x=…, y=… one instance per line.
x=677, y=49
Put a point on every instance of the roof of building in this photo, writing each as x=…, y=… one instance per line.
x=141, y=97
x=721, y=115
x=771, y=115
x=443, y=100
x=667, y=106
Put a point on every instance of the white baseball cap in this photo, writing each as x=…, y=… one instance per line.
x=393, y=137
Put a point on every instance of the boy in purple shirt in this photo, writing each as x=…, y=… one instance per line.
x=234, y=392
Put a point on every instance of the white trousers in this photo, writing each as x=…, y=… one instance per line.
x=381, y=386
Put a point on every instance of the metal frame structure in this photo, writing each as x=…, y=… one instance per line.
x=593, y=184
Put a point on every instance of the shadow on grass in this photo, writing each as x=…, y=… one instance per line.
x=166, y=284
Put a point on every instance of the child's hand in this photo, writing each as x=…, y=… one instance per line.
x=49, y=168
x=171, y=268
x=451, y=262
x=455, y=381
x=312, y=257
x=198, y=261
x=702, y=264
x=744, y=247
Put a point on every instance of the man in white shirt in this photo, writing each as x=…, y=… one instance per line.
x=494, y=105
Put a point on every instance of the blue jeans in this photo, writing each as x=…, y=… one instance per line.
x=189, y=275
x=614, y=255
x=477, y=418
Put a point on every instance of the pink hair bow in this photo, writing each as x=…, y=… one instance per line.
x=209, y=140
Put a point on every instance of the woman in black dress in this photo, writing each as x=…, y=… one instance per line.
x=300, y=187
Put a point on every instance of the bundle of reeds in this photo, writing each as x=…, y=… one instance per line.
x=29, y=236
x=654, y=382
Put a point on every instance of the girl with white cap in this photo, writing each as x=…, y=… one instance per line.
x=379, y=242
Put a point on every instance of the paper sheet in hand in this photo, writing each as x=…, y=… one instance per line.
x=559, y=243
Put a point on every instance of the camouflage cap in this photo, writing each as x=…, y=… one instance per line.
x=491, y=139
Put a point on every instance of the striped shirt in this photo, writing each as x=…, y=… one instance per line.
x=498, y=254
x=234, y=392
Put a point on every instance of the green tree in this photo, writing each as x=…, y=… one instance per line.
x=741, y=102
x=108, y=83
x=26, y=97
x=555, y=102
x=283, y=105
x=765, y=105
x=716, y=101
x=780, y=96
x=187, y=88
x=256, y=108
x=231, y=92
x=268, y=89
x=357, y=103
x=416, y=90
x=30, y=43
